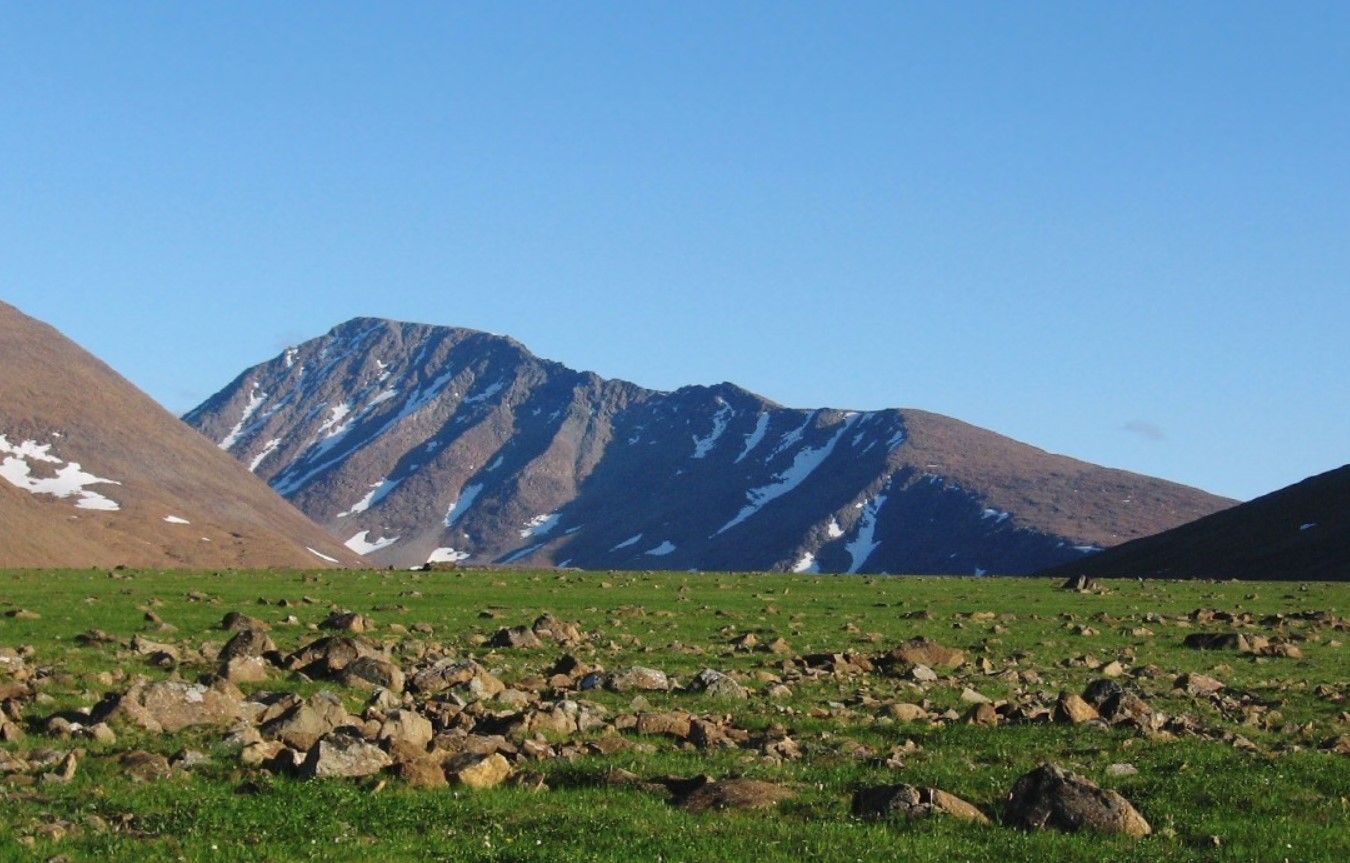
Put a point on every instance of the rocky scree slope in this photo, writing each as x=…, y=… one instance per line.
x=94, y=473
x=414, y=442
x=1298, y=533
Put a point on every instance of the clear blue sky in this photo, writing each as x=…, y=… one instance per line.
x=1119, y=231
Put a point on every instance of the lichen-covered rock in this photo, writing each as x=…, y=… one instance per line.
x=908, y=801
x=1052, y=797
x=339, y=754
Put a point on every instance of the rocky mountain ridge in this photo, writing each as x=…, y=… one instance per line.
x=414, y=442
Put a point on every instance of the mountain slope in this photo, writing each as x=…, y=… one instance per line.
x=95, y=473
x=412, y=442
x=1301, y=532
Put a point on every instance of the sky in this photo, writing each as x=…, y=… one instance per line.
x=1117, y=231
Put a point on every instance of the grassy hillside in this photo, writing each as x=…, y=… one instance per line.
x=1257, y=770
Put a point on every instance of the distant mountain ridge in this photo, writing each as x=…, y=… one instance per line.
x=414, y=442
x=1298, y=533
x=94, y=473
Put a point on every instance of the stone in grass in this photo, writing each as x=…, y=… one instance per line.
x=716, y=684
x=343, y=755
x=478, y=771
x=1052, y=797
x=909, y=801
x=636, y=677
x=701, y=793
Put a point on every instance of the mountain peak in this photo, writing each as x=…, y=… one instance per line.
x=414, y=442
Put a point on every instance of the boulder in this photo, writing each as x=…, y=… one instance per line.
x=1218, y=641
x=339, y=754
x=701, y=793
x=908, y=801
x=924, y=651
x=372, y=672
x=247, y=642
x=170, y=706
x=636, y=678
x=478, y=770
x=717, y=685
x=515, y=637
x=1055, y=798
x=1071, y=709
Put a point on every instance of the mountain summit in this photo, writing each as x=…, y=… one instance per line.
x=94, y=473
x=414, y=442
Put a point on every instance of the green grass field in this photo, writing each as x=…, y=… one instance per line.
x=1252, y=776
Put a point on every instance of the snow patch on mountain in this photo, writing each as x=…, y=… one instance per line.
x=467, y=496
x=69, y=479
x=361, y=544
x=704, y=445
x=756, y=437
x=540, y=525
x=269, y=448
x=863, y=544
x=447, y=555
x=803, y=465
x=175, y=519
x=661, y=550
x=255, y=400
x=378, y=492
x=807, y=564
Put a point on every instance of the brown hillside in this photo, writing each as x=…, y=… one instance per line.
x=59, y=407
x=1301, y=532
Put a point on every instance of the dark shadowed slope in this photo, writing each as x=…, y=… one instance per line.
x=414, y=442
x=1301, y=532
x=94, y=473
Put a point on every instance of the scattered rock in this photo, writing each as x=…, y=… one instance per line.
x=478, y=771
x=701, y=793
x=636, y=678
x=1052, y=797
x=340, y=754
x=883, y=801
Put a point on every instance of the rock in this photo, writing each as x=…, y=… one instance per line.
x=1071, y=709
x=905, y=712
x=636, y=678
x=670, y=724
x=548, y=626
x=445, y=674
x=247, y=642
x=717, y=685
x=1198, y=684
x=237, y=620
x=300, y=724
x=170, y=706
x=701, y=793
x=339, y=754
x=1079, y=583
x=327, y=656
x=883, y=801
x=372, y=672
x=924, y=651
x=144, y=766
x=1051, y=797
x=245, y=669
x=408, y=728
x=981, y=714
x=515, y=637
x=422, y=773
x=65, y=770
x=347, y=621
x=1218, y=641
x=478, y=771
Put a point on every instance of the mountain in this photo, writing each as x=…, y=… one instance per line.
x=414, y=442
x=94, y=473
x=1299, y=533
